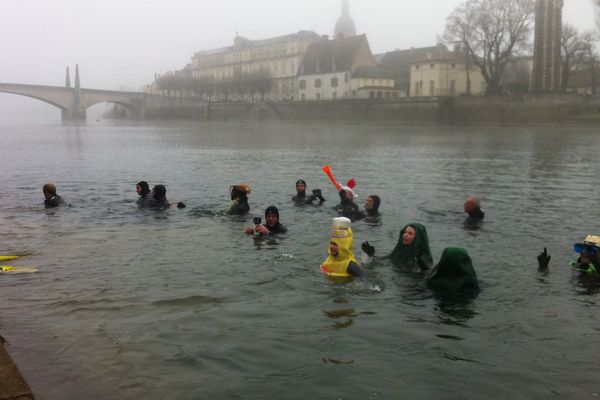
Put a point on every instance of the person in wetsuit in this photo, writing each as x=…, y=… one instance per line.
x=143, y=190
x=239, y=196
x=341, y=261
x=347, y=207
x=372, y=209
x=301, y=197
x=588, y=262
x=412, y=250
x=473, y=208
x=159, y=198
x=454, y=274
x=51, y=199
x=272, y=226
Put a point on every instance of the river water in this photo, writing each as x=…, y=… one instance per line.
x=182, y=304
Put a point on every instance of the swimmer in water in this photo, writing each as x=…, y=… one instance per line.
x=412, y=250
x=51, y=199
x=341, y=261
x=143, y=190
x=301, y=197
x=239, y=197
x=454, y=274
x=372, y=209
x=272, y=226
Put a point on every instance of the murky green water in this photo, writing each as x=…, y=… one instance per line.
x=130, y=304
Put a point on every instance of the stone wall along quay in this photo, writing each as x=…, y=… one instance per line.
x=12, y=383
x=480, y=110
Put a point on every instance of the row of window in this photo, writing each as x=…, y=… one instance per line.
x=372, y=95
x=432, y=66
x=318, y=83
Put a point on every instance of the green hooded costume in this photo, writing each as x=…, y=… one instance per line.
x=454, y=274
x=416, y=254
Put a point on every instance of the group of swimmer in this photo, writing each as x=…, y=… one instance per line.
x=453, y=274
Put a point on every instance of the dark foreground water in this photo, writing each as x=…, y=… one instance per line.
x=130, y=304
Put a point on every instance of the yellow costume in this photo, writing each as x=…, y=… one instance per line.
x=337, y=266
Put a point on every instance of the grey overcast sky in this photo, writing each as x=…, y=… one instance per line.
x=122, y=43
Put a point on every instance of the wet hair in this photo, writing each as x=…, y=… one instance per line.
x=272, y=210
x=160, y=191
x=301, y=181
x=376, y=201
x=49, y=188
x=238, y=193
x=144, y=186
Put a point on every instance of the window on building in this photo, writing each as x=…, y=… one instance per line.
x=346, y=77
x=354, y=93
x=379, y=95
x=334, y=95
x=371, y=95
x=453, y=65
x=318, y=96
x=395, y=95
x=388, y=95
x=318, y=83
x=432, y=66
x=417, y=66
x=302, y=84
x=302, y=97
x=431, y=88
x=334, y=82
x=452, y=88
x=417, y=93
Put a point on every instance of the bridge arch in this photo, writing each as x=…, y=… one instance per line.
x=60, y=106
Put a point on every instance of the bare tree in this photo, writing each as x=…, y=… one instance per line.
x=493, y=32
x=597, y=5
x=591, y=57
x=572, y=51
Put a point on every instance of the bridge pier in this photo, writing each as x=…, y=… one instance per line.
x=138, y=111
x=73, y=114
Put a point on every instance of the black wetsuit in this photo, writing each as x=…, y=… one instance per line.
x=145, y=200
x=54, y=201
x=240, y=208
x=278, y=228
x=373, y=217
x=160, y=204
x=301, y=198
x=354, y=269
x=477, y=214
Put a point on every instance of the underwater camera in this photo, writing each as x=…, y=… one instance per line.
x=257, y=220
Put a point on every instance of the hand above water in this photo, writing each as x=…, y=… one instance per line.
x=543, y=260
x=368, y=249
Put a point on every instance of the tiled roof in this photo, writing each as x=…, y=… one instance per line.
x=329, y=56
x=244, y=43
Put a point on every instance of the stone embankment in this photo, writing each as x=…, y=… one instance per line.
x=12, y=384
x=480, y=110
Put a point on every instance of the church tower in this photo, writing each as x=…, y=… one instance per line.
x=546, y=52
x=344, y=27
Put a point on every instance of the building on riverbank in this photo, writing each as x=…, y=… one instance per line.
x=276, y=58
x=445, y=73
x=343, y=68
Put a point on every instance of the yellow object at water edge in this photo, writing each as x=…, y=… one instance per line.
x=5, y=258
x=8, y=269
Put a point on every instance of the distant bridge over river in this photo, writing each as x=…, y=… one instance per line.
x=74, y=101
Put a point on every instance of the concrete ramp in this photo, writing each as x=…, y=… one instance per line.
x=12, y=383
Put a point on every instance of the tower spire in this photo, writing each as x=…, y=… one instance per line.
x=77, y=99
x=345, y=8
x=68, y=78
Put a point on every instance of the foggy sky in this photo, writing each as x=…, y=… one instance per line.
x=122, y=43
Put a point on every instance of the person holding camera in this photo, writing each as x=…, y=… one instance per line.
x=301, y=197
x=272, y=226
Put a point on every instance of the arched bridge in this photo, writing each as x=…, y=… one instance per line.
x=73, y=102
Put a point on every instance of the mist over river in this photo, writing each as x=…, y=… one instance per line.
x=137, y=304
